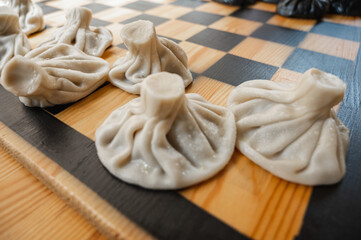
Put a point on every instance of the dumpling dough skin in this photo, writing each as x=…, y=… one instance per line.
x=77, y=32
x=51, y=75
x=30, y=15
x=166, y=139
x=292, y=130
x=147, y=54
x=12, y=40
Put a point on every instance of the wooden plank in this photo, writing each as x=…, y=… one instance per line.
x=26, y=205
x=241, y=189
x=244, y=196
x=107, y=220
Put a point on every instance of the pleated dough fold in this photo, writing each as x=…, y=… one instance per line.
x=30, y=15
x=12, y=40
x=166, y=139
x=78, y=32
x=292, y=130
x=55, y=74
x=147, y=54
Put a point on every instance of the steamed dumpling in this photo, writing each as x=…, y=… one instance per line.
x=292, y=130
x=30, y=15
x=147, y=54
x=315, y=9
x=51, y=75
x=12, y=40
x=166, y=139
x=77, y=32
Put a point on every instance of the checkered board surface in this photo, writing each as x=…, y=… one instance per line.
x=226, y=46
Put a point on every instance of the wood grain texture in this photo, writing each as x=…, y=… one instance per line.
x=178, y=29
x=71, y=190
x=297, y=24
x=26, y=206
x=244, y=196
x=236, y=25
x=271, y=53
x=336, y=47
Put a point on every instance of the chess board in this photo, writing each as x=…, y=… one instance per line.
x=226, y=46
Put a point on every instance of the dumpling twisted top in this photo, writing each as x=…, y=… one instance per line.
x=147, y=54
x=292, y=130
x=166, y=139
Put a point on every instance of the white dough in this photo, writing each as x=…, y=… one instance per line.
x=30, y=15
x=166, y=139
x=147, y=54
x=12, y=40
x=291, y=130
x=51, y=75
x=77, y=32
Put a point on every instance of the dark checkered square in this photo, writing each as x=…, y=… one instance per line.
x=48, y=9
x=141, y=5
x=99, y=23
x=216, y=39
x=122, y=45
x=189, y=3
x=58, y=108
x=173, y=39
x=155, y=20
x=336, y=30
x=277, y=34
x=253, y=14
x=201, y=17
x=236, y=70
x=96, y=7
x=195, y=75
x=301, y=60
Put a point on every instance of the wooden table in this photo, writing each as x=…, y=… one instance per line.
x=272, y=208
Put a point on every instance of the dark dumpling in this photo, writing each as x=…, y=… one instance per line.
x=346, y=7
x=271, y=1
x=237, y=2
x=314, y=9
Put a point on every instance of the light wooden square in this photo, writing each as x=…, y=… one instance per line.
x=293, y=23
x=179, y=29
x=161, y=1
x=346, y=20
x=263, y=51
x=55, y=19
x=236, y=25
x=332, y=46
x=286, y=76
x=169, y=11
x=269, y=7
x=116, y=15
x=115, y=29
x=217, y=8
x=115, y=3
x=112, y=54
x=200, y=58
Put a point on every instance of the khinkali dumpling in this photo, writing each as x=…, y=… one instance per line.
x=303, y=8
x=77, y=32
x=291, y=130
x=147, y=54
x=30, y=15
x=346, y=7
x=166, y=139
x=12, y=40
x=51, y=75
